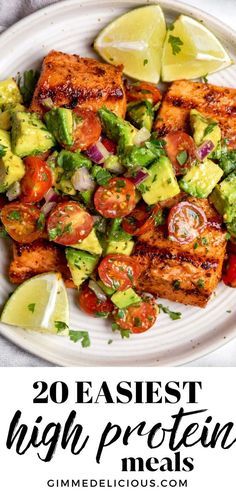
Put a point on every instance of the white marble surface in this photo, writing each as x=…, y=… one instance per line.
x=10, y=355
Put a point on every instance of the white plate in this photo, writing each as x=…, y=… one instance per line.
x=71, y=26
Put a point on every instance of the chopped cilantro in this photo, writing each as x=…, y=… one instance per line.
x=204, y=78
x=227, y=236
x=174, y=315
x=41, y=221
x=176, y=284
x=3, y=233
x=124, y=333
x=195, y=246
x=102, y=176
x=110, y=341
x=137, y=322
x=3, y=150
x=102, y=314
x=60, y=326
x=182, y=157
x=82, y=336
x=175, y=43
x=14, y=215
x=145, y=62
x=171, y=27
x=200, y=283
x=31, y=307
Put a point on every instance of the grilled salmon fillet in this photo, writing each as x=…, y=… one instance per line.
x=38, y=257
x=213, y=101
x=72, y=81
x=186, y=273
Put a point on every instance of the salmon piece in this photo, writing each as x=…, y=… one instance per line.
x=213, y=101
x=38, y=257
x=72, y=81
x=186, y=273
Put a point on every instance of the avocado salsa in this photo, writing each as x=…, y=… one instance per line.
x=93, y=194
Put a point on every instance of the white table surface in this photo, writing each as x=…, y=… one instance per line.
x=11, y=355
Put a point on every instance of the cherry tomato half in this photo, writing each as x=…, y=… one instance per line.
x=180, y=148
x=143, y=91
x=229, y=277
x=21, y=222
x=91, y=305
x=137, y=318
x=87, y=131
x=140, y=220
x=36, y=181
x=117, y=199
x=185, y=222
x=69, y=223
x=119, y=271
x=109, y=145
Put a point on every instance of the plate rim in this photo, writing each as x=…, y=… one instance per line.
x=226, y=31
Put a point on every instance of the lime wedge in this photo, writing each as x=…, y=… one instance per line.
x=38, y=303
x=135, y=40
x=191, y=51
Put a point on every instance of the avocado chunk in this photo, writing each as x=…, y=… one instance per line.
x=90, y=244
x=117, y=129
x=161, y=183
x=6, y=115
x=120, y=247
x=107, y=290
x=124, y=298
x=67, y=163
x=81, y=264
x=136, y=157
x=224, y=197
x=9, y=93
x=29, y=135
x=201, y=179
x=231, y=227
x=227, y=160
x=118, y=241
x=141, y=114
x=204, y=129
x=60, y=122
x=11, y=166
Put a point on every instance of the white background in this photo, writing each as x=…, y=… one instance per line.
x=214, y=468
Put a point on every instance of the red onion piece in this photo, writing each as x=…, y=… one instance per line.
x=139, y=177
x=14, y=191
x=97, y=152
x=82, y=180
x=204, y=150
x=51, y=195
x=97, y=290
x=47, y=207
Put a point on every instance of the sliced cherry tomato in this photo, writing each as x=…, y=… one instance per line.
x=109, y=145
x=180, y=148
x=143, y=91
x=185, y=222
x=69, y=223
x=119, y=271
x=137, y=318
x=21, y=222
x=229, y=277
x=117, y=199
x=141, y=219
x=91, y=305
x=88, y=129
x=36, y=181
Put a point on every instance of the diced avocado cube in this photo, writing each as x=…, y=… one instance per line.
x=81, y=264
x=204, y=129
x=70, y=161
x=121, y=247
x=136, y=157
x=9, y=93
x=108, y=290
x=161, y=183
x=11, y=166
x=201, y=179
x=90, y=244
x=141, y=114
x=231, y=227
x=224, y=197
x=29, y=134
x=86, y=196
x=117, y=129
x=123, y=299
x=6, y=115
x=60, y=123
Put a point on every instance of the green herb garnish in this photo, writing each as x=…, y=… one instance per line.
x=182, y=157
x=14, y=215
x=31, y=307
x=174, y=315
x=27, y=84
x=209, y=128
x=74, y=335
